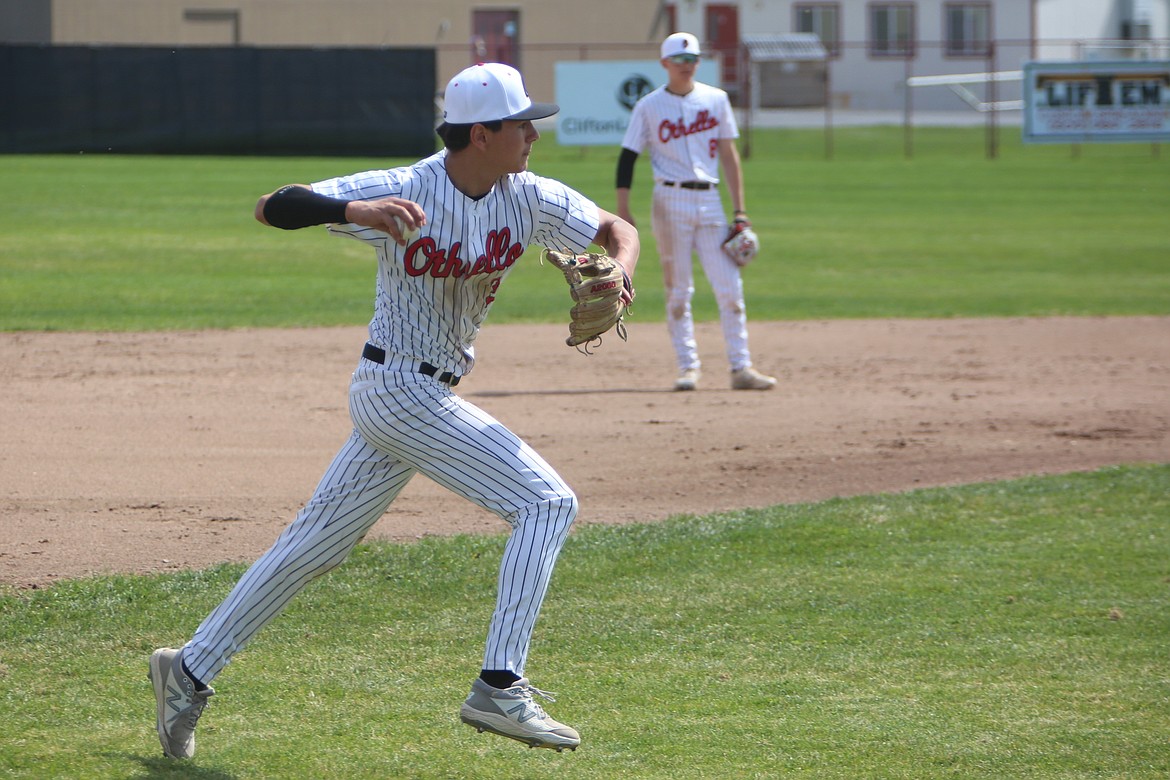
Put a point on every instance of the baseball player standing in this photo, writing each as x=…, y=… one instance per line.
x=690, y=131
x=446, y=230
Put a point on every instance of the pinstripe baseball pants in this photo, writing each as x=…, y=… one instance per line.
x=692, y=221
x=406, y=423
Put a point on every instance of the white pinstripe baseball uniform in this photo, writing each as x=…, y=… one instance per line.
x=431, y=298
x=681, y=133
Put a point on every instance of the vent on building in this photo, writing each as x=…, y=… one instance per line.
x=787, y=71
x=1136, y=20
x=1135, y=31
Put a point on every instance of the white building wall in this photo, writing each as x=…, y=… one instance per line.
x=1023, y=30
x=1076, y=29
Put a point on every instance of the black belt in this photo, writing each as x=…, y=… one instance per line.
x=690, y=185
x=378, y=355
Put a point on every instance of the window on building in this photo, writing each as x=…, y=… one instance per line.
x=968, y=29
x=823, y=19
x=891, y=29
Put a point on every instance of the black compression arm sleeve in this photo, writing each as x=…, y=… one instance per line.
x=625, y=168
x=295, y=207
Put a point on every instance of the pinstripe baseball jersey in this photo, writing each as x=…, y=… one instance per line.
x=431, y=298
x=681, y=132
x=433, y=295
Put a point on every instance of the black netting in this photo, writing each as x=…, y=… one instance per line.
x=217, y=100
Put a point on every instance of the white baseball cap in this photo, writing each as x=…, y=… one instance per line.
x=490, y=91
x=680, y=43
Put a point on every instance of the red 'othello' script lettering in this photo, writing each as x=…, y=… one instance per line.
x=669, y=130
x=425, y=257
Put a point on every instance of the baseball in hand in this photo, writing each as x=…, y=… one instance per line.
x=408, y=233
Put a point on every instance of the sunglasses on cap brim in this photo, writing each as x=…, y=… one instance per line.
x=683, y=59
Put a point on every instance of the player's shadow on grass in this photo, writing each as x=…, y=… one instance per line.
x=158, y=767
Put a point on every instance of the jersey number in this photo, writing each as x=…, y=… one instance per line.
x=492, y=294
x=714, y=144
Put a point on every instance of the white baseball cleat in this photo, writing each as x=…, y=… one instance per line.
x=513, y=713
x=687, y=380
x=179, y=704
x=750, y=379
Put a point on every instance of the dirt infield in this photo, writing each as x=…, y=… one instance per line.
x=159, y=451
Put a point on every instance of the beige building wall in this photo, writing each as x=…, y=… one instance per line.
x=548, y=30
x=555, y=30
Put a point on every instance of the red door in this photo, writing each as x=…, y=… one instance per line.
x=722, y=35
x=495, y=37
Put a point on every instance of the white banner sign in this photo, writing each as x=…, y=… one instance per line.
x=1078, y=102
x=596, y=97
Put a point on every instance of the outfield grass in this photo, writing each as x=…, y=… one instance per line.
x=1011, y=630
x=143, y=243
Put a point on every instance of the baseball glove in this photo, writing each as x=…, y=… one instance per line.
x=596, y=283
x=742, y=244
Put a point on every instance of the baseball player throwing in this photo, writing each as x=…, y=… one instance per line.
x=446, y=230
x=690, y=131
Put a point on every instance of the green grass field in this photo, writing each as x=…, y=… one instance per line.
x=1008, y=630
x=1013, y=630
x=132, y=243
